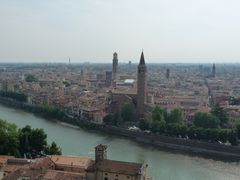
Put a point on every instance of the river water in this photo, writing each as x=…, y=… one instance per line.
x=162, y=165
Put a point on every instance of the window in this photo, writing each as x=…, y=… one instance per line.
x=128, y=177
x=105, y=178
x=116, y=175
x=106, y=174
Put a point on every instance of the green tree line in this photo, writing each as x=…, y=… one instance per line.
x=14, y=95
x=25, y=142
x=49, y=111
x=209, y=127
x=127, y=114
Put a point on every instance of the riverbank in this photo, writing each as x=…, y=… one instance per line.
x=209, y=150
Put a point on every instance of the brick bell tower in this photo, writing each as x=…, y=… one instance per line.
x=100, y=152
x=141, y=87
x=114, y=67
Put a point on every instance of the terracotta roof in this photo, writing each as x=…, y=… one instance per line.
x=11, y=167
x=3, y=159
x=120, y=167
x=12, y=164
x=43, y=163
x=33, y=174
x=81, y=162
x=61, y=175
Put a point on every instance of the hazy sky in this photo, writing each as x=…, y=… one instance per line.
x=91, y=30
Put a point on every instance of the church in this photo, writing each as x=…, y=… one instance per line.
x=136, y=95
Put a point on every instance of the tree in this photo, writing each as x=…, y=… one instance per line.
x=176, y=116
x=9, y=143
x=158, y=126
x=32, y=141
x=66, y=83
x=238, y=127
x=53, y=149
x=232, y=137
x=205, y=120
x=221, y=114
x=108, y=119
x=183, y=130
x=144, y=124
x=14, y=95
x=158, y=114
x=31, y=78
x=25, y=141
x=212, y=135
x=127, y=112
x=223, y=135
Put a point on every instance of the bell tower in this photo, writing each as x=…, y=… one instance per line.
x=141, y=86
x=114, y=66
x=100, y=152
x=214, y=70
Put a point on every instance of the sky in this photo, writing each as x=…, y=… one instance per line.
x=168, y=31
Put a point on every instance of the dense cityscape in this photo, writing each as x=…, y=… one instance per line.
x=183, y=101
x=119, y=90
x=93, y=91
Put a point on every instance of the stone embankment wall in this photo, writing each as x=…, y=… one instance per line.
x=200, y=148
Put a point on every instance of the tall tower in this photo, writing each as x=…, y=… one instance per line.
x=168, y=73
x=214, y=70
x=100, y=152
x=141, y=86
x=114, y=66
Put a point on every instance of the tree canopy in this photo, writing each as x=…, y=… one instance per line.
x=206, y=120
x=14, y=95
x=127, y=112
x=221, y=114
x=176, y=116
x=206, y=126
x=53, y=149
x=158, y=114
x=9, y=141
x=25, y=141
x=238, y=127
x=31, y=78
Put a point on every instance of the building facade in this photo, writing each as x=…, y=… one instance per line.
x=58, y=167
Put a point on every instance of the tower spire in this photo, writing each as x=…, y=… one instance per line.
x=213, y=70
x=142, y=60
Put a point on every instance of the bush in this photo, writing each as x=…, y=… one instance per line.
x=144, y=124
x=223, y=135
x=158, y=126
x=232, y=137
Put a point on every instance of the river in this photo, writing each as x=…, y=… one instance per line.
x=162, y=165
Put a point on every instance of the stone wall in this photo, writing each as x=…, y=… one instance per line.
x=197, y=147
